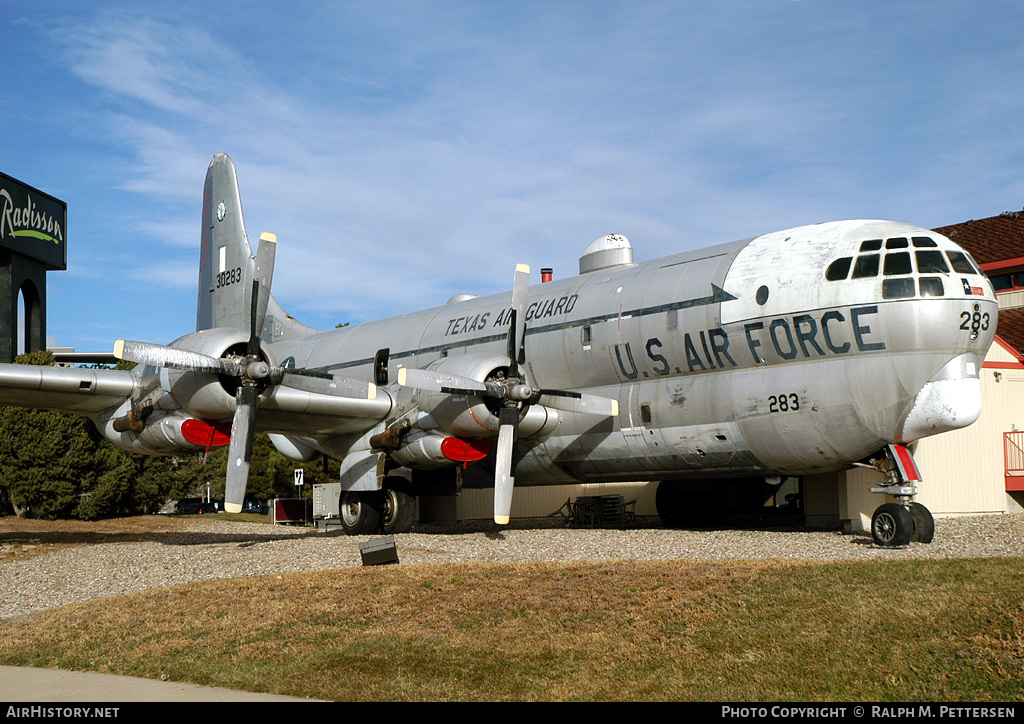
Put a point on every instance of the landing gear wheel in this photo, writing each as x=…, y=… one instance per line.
x=689, y=504
x=397, y=510
x=358, y=515
x=892, y=526
x=670, y=502
x=924, y=524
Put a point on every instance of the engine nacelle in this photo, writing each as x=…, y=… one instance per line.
x=207, y=395
x=167, y=433
x=294, y=447
x=473, y=416
x=426, y=450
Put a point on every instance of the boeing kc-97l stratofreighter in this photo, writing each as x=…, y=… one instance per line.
x=797, y=352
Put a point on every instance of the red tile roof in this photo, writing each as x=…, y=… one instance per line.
x=989, y=241
x=994, y=239
x=1011, y=329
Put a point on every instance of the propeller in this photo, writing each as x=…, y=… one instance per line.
x=513, y=393
x=253, y=372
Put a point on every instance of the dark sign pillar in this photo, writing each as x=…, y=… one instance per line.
x=33, y=240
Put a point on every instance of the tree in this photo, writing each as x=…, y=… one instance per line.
x=47, y=458
x=57, y=465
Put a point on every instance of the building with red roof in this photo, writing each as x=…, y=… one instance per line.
x=997, y=244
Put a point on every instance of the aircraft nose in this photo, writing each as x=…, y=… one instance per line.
x=941, y=406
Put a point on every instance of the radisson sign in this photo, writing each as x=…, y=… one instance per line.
x=33, y=224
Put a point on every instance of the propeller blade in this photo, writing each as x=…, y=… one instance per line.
x=243, y=427
x=158, y=355
x=504, y=480
x=298, y=371
x=520, y=298
x=253, y=348
x=580, y=402
x=517, y=324
x=432, y=381
x=264, y=275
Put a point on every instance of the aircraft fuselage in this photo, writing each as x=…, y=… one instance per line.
x=739, y=359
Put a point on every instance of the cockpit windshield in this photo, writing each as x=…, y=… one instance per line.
x=901, y=268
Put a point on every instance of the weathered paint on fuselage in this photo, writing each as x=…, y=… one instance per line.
x=712, y=378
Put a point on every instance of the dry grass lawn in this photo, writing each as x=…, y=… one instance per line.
x=680, y=630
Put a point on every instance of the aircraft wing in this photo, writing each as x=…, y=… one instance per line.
x=67, y=389
x=301, y=412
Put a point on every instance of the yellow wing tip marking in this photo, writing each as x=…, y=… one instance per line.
x=267, y=236
x=119, y=348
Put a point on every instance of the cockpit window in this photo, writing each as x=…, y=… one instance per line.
x=931, y=262
x=961, y=263
x=902, y=267
x=931, y=287
x=897, y=263
x=867, y=266
x=898, y=288
x=838, y=269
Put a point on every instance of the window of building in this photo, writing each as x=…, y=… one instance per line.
x=1008, y=282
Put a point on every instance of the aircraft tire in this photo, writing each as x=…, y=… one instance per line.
x=397, y=509
x=892, y=526
x=358, y=515
x=924, y=524
x=670, y=502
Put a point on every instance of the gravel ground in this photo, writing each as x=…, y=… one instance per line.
x=47, y=565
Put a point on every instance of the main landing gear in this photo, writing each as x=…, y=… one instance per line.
x=900, y=523
x=389, y=511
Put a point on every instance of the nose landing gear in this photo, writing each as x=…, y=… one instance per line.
x=897, y=524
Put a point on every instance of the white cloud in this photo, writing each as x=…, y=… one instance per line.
x=406, y=153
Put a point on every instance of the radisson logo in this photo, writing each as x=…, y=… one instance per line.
x=28, y=221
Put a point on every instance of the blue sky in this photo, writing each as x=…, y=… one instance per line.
x=407, y=151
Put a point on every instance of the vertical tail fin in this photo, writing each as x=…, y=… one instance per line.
x=226, y=262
